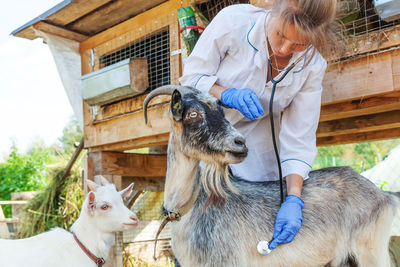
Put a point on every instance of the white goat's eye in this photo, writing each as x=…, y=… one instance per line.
x=104, y=207
x=193, y=114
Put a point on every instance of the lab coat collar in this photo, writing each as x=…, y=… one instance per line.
x=257, y=39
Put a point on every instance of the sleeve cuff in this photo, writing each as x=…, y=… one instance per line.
x=204, y=83
x=295, y=166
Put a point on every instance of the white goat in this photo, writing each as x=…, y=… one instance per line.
x=103, y=213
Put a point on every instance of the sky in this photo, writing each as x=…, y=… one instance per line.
x=33, y=103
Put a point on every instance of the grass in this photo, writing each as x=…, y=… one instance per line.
x=56, y=206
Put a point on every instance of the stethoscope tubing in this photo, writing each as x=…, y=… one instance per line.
x=271, y=119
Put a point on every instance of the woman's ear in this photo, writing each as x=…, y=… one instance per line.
x=177, y=106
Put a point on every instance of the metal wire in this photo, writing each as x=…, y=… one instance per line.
x=367, y=22
x=364, y=32
x=140, y=242
x=212, y=7
x=155, y=48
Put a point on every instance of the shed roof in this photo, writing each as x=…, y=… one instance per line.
x=81, y=19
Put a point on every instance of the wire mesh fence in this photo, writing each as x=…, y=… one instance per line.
x=361, y=18
x=364, y=33
x=155, y=48
x=210, y=8
x=152, y=41
x=140, y=242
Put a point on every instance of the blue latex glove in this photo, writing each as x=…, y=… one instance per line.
x=244, y=100
x=288, y=221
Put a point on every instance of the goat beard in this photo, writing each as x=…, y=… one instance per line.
x=215, y=179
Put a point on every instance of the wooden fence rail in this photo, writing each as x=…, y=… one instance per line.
x=4, y=232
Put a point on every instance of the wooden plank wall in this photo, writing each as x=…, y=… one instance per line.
x=120, y=126
x=360, y=99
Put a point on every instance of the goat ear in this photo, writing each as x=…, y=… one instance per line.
x=125, y=192
x=92, y=186
x=91, y=200
x=101, y=179
x=177, y=105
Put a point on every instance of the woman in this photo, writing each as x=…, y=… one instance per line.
x=230, y=62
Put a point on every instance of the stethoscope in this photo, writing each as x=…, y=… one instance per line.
x=263, y=245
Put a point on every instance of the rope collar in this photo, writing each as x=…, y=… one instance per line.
x=99, y=261
x=175, y=215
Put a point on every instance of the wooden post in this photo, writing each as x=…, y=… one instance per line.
x=4, y=233
x=87, y=173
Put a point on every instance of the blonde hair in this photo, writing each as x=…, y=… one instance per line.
x=314, y=20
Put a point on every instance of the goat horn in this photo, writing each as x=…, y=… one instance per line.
x=163, y=90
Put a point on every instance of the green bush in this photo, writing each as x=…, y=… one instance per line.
x=359, y=156
x=23, y=172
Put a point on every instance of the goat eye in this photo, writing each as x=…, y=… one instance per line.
x=104, y=207
x=193, y=114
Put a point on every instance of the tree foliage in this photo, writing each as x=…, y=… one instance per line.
x=24, y=172
x=359, y=156
x=31, y=171
x=72, y=133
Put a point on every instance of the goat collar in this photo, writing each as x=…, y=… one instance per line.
x=98, y=261
x=175, y=215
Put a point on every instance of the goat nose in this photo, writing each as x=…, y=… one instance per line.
x=239, y=140
x=134, y=218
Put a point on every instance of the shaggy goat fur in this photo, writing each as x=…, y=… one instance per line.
x=346, y=218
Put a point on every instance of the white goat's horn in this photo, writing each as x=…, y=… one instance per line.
x=163, y=90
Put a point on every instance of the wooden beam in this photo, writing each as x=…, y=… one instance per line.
x=363, y=106
x=62, y=32
x=128, y=164
x=112, y=14
x=75, y=10
x=127, y=106
x=358, y=78
x=4, y=233
x=176, y=65
x=128, y=127
x=367, y=123
x=13, y=202
x=136, y=22
x=145, y=183
x=359, y=137
x=370, y=42
x=154, y=140
x=396, y=69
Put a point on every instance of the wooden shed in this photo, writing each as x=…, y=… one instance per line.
x=110, y=53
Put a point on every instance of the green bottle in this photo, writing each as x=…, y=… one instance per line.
x=186, y=18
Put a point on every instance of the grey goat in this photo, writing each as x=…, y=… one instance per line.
x=346, y=218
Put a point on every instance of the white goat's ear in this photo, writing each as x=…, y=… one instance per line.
x=125, y=192
x=101, y=179
x=91, y=200
x=92, y=186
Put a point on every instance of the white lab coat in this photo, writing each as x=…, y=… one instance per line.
x=232, y=52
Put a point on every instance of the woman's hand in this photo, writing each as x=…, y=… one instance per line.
x=244, y=100
x=289, y=218
x=288, y=221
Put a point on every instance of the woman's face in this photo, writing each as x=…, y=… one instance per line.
x=285, y=41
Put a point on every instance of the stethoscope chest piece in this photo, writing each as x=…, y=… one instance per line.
x=262, y=248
